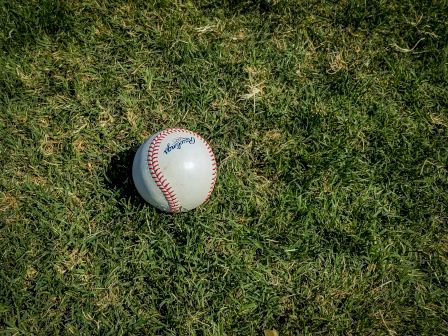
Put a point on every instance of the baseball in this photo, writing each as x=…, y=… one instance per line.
x=175, y=170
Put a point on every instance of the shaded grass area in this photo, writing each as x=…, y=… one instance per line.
x=329, y=122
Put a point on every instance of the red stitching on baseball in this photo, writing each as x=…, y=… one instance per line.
x=154, y=169
x=160, y=180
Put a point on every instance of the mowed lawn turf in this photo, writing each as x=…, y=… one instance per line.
x=329, y=121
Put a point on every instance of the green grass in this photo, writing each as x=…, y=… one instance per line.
x=329, y=121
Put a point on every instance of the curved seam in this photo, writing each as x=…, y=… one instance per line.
x=160, y=180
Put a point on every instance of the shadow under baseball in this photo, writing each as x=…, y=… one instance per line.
x=118, y=176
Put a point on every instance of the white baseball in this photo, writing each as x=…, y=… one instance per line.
x=174, y=170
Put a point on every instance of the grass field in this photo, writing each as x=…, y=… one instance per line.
x=329, y=120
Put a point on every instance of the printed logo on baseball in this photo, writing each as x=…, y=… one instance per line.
x=175, y=170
